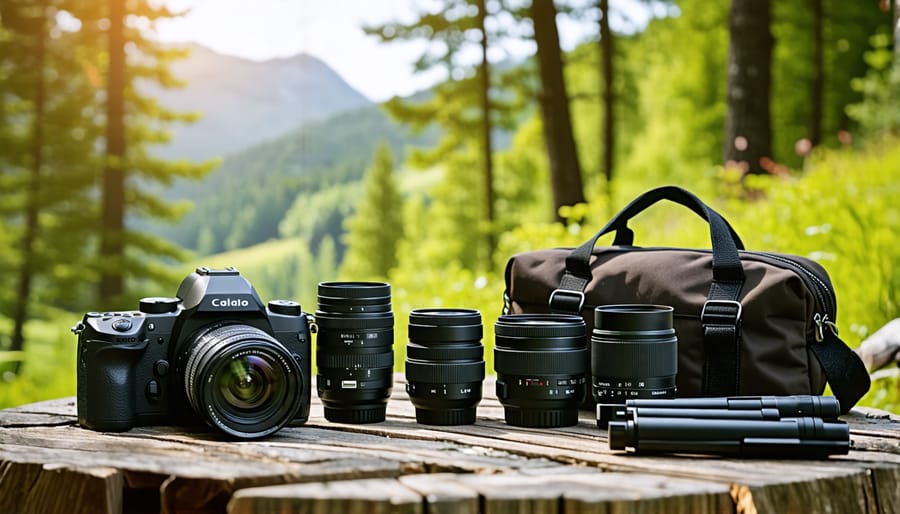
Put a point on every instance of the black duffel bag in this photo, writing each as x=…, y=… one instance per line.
x=748, y=323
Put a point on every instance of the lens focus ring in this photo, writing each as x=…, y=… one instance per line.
x=516, y=362
x=354, y=360
x=445, y=372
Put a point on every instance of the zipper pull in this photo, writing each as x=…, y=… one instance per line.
x=822, y=322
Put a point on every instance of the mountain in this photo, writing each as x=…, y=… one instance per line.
x=242, y=202
x=245, y=102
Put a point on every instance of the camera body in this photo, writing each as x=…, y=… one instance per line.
x=140, y=367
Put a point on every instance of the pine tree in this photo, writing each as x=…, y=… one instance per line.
x=133, y=123
x=372, y=234
x=46, y=160
x=457, y=26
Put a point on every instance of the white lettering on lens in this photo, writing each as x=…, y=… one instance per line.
x=229, y=302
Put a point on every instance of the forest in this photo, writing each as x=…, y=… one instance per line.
x=782, y=114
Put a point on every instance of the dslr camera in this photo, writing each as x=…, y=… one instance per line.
x=214, y=353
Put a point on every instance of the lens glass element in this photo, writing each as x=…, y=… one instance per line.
x=248, y=382
x=242, y=380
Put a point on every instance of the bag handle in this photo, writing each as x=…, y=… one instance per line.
x=725, y=241
x=720, y=317
x=625, y=236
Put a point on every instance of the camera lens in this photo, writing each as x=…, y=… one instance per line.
x=354, y=350
x=634, y=354
x=242, y=381
x=540, y=360
x=445, y=365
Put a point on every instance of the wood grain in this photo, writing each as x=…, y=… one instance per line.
x=399, y=465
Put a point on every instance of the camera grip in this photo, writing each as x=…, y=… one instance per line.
x=106, y=386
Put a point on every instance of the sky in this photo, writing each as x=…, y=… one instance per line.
x=332, y=31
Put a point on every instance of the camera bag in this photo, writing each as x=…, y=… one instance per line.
x=748, y=323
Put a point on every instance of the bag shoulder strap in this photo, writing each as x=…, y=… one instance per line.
x=844, y=369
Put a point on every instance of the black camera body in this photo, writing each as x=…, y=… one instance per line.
x=215, y=353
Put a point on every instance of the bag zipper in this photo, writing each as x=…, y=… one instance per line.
x=818, y=286
x=826, y=309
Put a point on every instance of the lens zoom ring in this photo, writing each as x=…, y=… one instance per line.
x=354, y=360
x=467, y=352
x=551, y=363
x=629, y=359
x=444, y=373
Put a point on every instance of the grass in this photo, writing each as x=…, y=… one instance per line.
x=48, y=370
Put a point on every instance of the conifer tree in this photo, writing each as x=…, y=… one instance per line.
x=457, y=26
x=47, y=136
x=134, y=122
x=373, y=232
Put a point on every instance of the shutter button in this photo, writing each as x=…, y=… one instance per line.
x=121, y=325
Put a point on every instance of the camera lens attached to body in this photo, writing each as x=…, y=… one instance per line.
x=634, y=354
x=540, y=360
x=354, y=350
x=242, y=381
x=445, y=365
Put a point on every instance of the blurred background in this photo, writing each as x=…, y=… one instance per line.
x=424, y=143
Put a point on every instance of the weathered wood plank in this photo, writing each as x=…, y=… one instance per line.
x=39, y=489
x=199, y=471
x=443, y=494
x=375, y=496
x=886, y=486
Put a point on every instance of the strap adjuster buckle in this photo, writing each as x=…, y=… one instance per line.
x=721, y=312
x=560, y=297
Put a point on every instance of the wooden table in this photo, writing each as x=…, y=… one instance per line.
x=48, y=464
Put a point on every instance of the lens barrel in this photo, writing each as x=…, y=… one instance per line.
x=242, y=380
x=354, y=350
x=540, y=361
x=634, y=354
x=445, y=365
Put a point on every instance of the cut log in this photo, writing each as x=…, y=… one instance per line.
x=882, y=347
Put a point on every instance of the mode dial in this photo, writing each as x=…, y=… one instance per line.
x=158, y=305
x=285, y=307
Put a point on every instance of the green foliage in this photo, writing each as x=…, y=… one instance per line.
x=448, y=287
x=320, y=214
x=843, y=213
x=284, y=173
x=47, y=160
x=49, y=363
x=879, y=110
x=376, y=227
